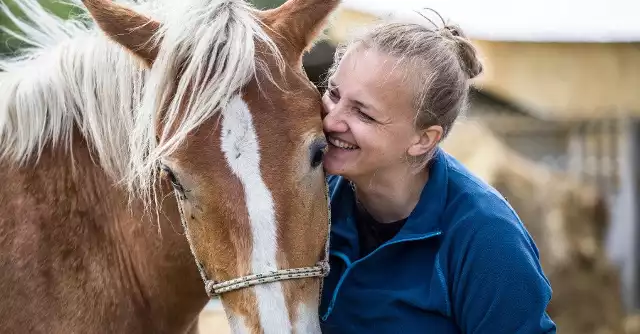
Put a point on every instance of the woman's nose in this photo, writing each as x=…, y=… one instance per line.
x=333, y=121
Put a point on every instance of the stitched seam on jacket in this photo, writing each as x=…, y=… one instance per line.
x=443, y=282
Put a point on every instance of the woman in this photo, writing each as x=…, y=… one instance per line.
x=418, y=243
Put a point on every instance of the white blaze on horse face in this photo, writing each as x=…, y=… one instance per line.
x=308, y=321
x=237, y=325
x=241, y=149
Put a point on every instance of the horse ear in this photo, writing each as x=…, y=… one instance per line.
x=126, y=27
x=300, y=21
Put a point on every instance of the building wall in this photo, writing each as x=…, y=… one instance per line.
x=564, y=80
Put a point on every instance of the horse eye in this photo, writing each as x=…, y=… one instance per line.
x=317, y=150
x=168, y=173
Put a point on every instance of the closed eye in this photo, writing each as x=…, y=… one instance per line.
x=364, y=115
x=358, y=106
x=334, y=95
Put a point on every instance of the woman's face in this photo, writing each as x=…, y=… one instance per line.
x=369, y=116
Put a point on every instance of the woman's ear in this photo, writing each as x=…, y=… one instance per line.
x=425, y=140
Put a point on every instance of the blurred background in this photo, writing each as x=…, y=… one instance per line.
x=553, y=125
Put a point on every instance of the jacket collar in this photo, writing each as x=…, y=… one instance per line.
x=423, y=221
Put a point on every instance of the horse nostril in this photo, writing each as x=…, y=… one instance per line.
x=317, y=150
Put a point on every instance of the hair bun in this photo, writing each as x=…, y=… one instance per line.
x=453, y=30
x=467, y=53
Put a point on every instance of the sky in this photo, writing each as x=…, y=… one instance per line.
x=539, y=20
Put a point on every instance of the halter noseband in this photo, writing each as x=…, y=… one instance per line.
x=214, y=288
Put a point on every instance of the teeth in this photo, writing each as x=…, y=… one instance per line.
x=341, y=144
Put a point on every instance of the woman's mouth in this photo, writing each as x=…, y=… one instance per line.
x=342, y=144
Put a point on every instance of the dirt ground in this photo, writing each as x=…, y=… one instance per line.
x=213, y=322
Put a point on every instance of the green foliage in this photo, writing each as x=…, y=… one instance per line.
x=10, y=44
x=264, y=4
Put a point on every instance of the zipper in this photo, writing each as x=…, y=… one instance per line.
x=350, y=266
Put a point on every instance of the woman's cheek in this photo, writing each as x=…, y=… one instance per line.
x=327, y=105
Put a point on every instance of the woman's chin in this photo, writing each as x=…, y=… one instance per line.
x=331, y=166
x=338, y=160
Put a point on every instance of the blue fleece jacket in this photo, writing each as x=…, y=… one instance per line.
x=462, y=263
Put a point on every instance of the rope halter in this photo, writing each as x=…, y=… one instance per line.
x=216, y=289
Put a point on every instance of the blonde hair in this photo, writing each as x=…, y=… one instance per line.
x=439, y=61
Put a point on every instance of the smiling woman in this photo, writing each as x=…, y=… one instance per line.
x=417, y=240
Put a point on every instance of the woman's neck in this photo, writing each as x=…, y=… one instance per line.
x=390, y=197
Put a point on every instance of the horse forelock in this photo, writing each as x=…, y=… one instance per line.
x=207, y=54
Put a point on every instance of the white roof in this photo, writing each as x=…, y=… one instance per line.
x=533, y=20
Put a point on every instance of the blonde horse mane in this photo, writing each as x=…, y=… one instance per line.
x=68, y=75
x=72, y=75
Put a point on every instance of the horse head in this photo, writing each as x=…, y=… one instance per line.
x=230, y=119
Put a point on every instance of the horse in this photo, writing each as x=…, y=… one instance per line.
x=139, y=139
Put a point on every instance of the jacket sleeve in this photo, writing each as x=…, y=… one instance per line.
x=498, y=285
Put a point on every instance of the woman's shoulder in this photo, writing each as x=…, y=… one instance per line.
x=479, y=214
x=490, y=261
x=471, y=197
